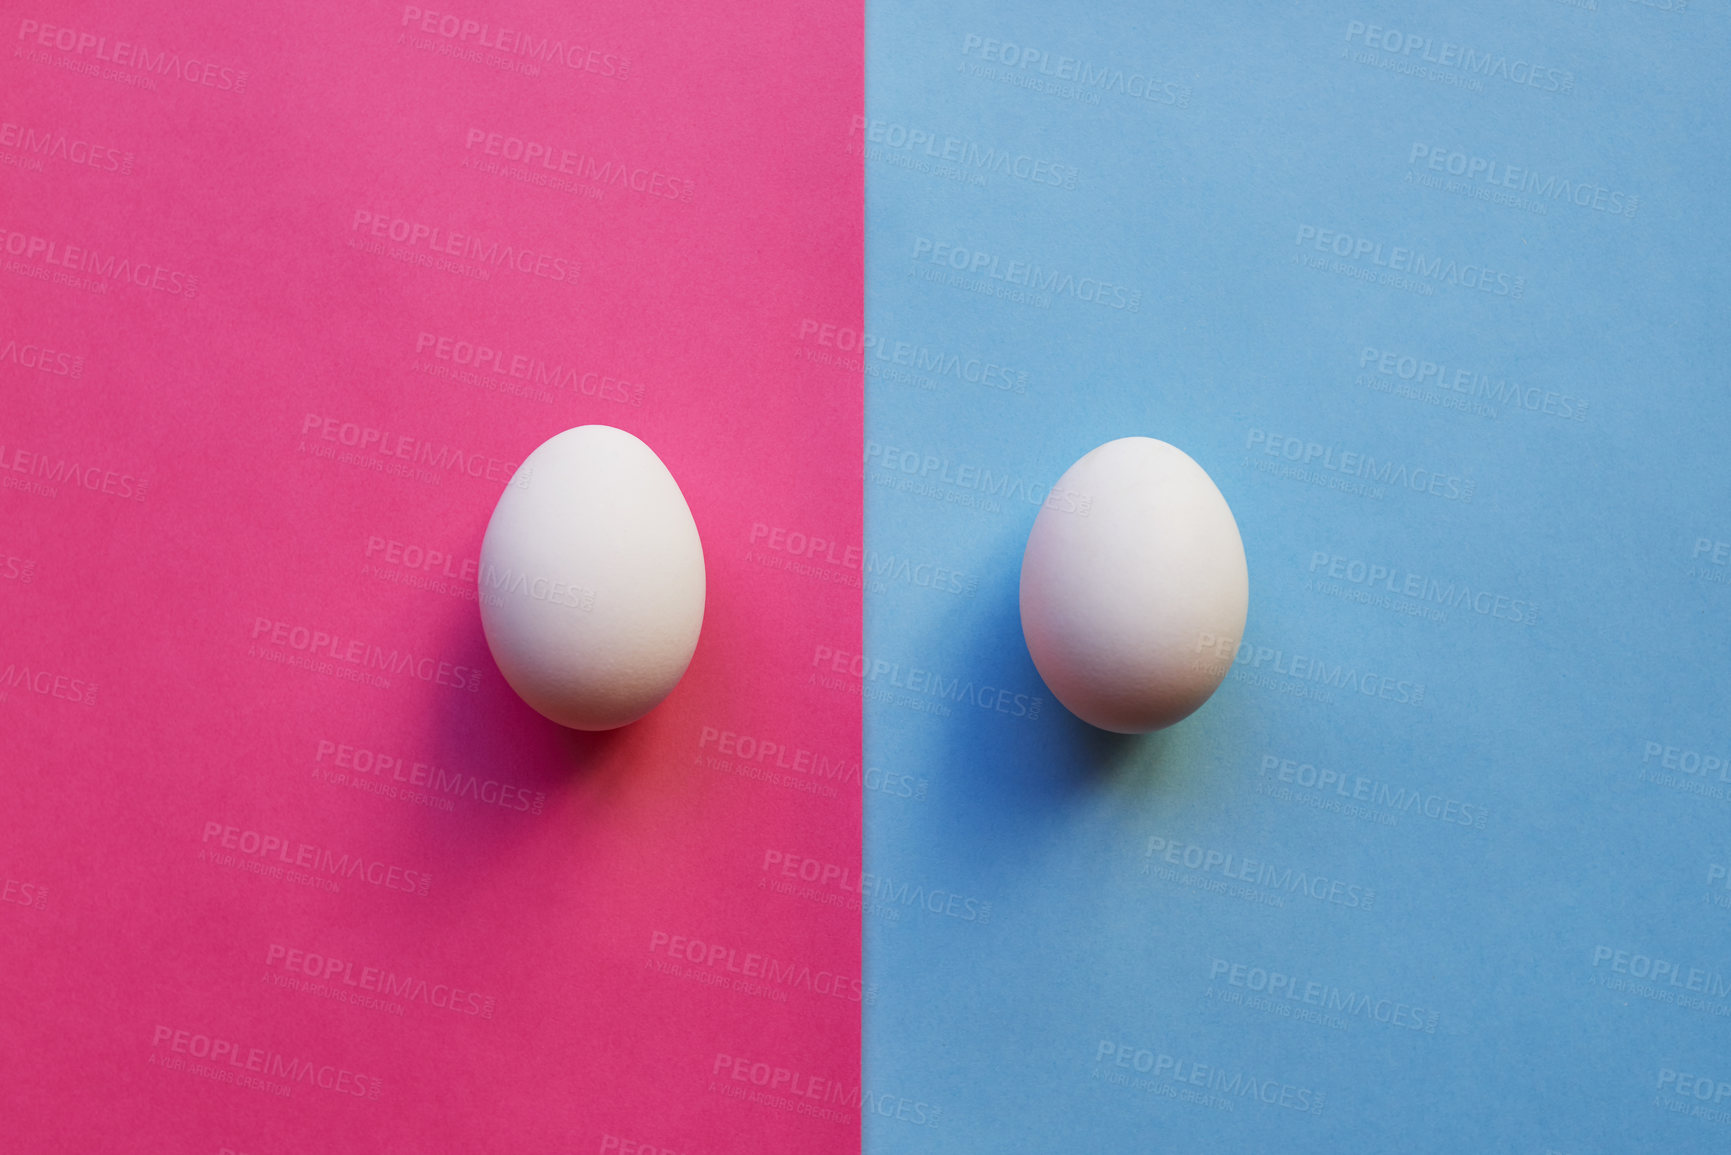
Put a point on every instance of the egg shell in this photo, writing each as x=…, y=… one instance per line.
x=1133, y=586
x=592, y=579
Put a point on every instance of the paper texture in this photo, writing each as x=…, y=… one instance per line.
x=286, y=294
x=1436, y=294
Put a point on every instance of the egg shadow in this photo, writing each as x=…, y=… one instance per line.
x=494, y=734
x=1008, y=777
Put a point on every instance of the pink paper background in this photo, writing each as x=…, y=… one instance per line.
x=169, y=487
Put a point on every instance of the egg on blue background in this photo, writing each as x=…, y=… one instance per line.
x=1133, y=582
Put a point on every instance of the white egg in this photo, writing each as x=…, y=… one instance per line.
x=592, y=579
x=1134, y=586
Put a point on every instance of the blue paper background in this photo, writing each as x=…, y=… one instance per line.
x=1557, y=979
